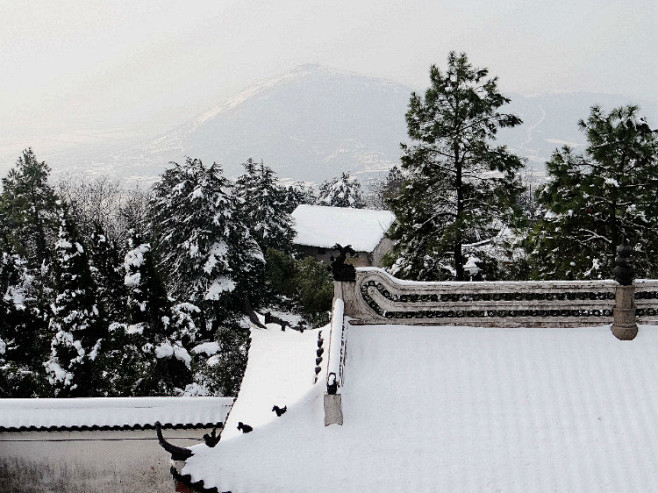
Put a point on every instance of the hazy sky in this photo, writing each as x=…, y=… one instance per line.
x=86, y=68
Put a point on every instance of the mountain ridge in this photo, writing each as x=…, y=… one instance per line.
x=313, y=123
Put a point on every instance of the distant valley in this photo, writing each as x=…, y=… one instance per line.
x=313, y=123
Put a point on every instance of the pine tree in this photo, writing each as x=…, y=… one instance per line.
x=106, y=271
x=147, y=355
x=147, y=302
x=461, y=190
x=296, y=194
x=342, y=191
x=28, y=205
x=22, y=329
x=212, y=260
x=75, y=322
x=598, y=200
x=385, y=190
x=262, y=206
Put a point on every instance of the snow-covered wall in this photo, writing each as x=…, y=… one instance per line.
x=377, y=297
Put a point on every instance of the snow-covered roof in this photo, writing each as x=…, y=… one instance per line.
x=112, y=413
x=433, y=409
x=323, y=227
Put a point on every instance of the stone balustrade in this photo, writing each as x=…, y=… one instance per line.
x=646, y=301
x=379, y=298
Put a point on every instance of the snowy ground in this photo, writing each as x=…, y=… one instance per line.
x=430, y=409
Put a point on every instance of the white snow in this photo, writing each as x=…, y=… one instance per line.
x=446, y=409
x=335, y=341
x=167, y=350
x=216, y=254
x=207, y=348
x=323, y=227
x=282, y=374
x=112, y=411
x=219, y=286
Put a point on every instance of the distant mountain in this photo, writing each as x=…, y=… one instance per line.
x=309, y=125
x=313, y=123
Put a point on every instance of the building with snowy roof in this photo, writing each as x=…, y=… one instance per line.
x=448, y=386
x=319, y=228
x=104, y=444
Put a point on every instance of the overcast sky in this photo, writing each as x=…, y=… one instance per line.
x=79, y=68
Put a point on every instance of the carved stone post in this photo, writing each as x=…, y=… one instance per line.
x=623, y=326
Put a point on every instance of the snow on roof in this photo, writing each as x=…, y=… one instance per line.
x=323, y=227
x=112, y=413
x=432, y=409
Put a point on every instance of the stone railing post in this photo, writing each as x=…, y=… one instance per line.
x=623, y=326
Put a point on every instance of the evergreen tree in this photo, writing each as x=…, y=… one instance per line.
x=75, y=321
x=22, y=330
x=147, y=304
x=296, y=194
x=212, y=260
x=106, y=271
x=155, y=339
x=343, y=191
x=461, y=190
x=262, y=206
x=28, y=205
x=384, y=191
x=598, y=200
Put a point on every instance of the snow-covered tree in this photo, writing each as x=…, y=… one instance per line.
x=342, y=191
x=147, y=302
x=262, y=206
x=598, y=200
x=153, y=342
x=209, y=255
x=106, y=271
x=384, y=190
x=296, y=194
x=23, y=334
x=461, y=190
x=75, y=323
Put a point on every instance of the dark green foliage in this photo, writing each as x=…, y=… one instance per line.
x=107, y=274
x=222, y=373
x=386, y=190
x=262, y=204
x=28, y=208
x=147, y=302
x=315, y=290
x=303, y=285
x=76, y=320
x=27, y=229
x=598, y=200
x=280, y=272
x=296, y=194
x=460, y=191
x=209, y=255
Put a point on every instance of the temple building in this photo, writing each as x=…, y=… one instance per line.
x=319, y=228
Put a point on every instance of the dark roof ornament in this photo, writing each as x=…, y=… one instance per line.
x=341, y=271
x=177, y=453
x=211, y=439
x=624, y=271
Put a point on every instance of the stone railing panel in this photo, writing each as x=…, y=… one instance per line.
x=379, y=298
x=646, y=301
